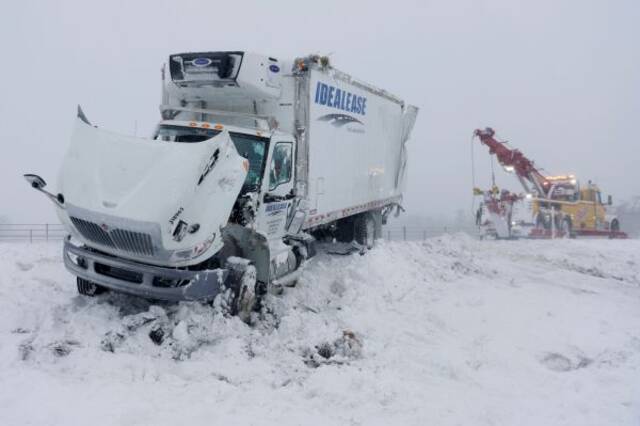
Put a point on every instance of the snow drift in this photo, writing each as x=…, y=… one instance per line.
x=448, y=331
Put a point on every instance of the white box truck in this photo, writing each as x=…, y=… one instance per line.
x=254, y=159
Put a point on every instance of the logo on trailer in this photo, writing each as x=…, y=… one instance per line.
x=201, y=62
x=340, y=99
x=339, y=120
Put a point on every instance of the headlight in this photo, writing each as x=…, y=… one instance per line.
x=78, y=260
x=203, y=246
x=195, y=251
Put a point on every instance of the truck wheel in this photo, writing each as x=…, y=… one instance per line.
x=244, y=297
x=567, y=228
x=88, y=288
x=542, y=222
x=345, y=230
x=615, y=225
x=365, y=230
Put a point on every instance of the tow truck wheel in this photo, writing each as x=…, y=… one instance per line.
x=88, y=288
x=615, y=225
x=567, y=228
x=244, y=297
x=542, y=222
x=366, y=230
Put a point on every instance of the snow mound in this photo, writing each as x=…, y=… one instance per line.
x=446, y=331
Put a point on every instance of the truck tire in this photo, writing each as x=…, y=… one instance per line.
x=89, y=288
x=566, y=227
x=542, y=222
x=345, y=232
x=365, y=230
x=615, y=225
x=244, y=297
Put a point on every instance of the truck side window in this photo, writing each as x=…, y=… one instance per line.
x=252, y=148
x=280, y=171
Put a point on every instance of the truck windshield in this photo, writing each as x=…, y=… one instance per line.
x=184, y=134
x=253, y=148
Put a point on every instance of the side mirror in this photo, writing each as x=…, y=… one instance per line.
x=35, y=181
x=38, y=184
x=610, y=200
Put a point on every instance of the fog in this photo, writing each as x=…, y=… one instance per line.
x=559, y=79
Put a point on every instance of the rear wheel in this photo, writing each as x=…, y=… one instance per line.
x=566, y=227
x=89, y=288
x=345, y=230
x=615, y=225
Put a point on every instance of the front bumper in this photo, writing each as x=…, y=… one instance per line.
x=151, y=282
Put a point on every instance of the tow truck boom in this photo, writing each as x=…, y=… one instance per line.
x=516, y=160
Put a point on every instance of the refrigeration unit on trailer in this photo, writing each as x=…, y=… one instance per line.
x=253, y=159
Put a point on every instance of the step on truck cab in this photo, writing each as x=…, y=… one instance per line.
x=253, y=159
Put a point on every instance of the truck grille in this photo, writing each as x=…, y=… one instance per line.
x=133, y=242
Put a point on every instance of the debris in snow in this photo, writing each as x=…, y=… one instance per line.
x=157, y=335
x=63, y=348
x=342, y=350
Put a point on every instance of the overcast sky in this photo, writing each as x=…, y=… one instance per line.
x=559, y=79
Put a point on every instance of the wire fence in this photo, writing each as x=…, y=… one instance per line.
x=32, y=232
x=421, y=233
x=56, y=232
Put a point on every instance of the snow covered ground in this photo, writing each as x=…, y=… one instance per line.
x=451, y=331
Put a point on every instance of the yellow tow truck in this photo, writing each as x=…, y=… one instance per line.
x=559, y=204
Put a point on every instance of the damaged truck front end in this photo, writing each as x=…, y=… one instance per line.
x=149, y=217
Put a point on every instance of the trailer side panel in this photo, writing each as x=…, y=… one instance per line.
x=355, y=148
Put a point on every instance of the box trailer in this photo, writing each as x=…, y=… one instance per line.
x=253, y=160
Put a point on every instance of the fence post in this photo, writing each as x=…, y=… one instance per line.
x=30, y=235
x=424, y=235
x=388, y=235
x=404, y=233
x=46, y=232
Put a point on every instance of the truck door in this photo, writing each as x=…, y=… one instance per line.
x=278, y=196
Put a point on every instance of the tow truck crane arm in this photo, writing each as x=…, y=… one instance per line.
x=516, y=160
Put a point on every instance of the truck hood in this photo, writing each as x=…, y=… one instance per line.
x=112, y=178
